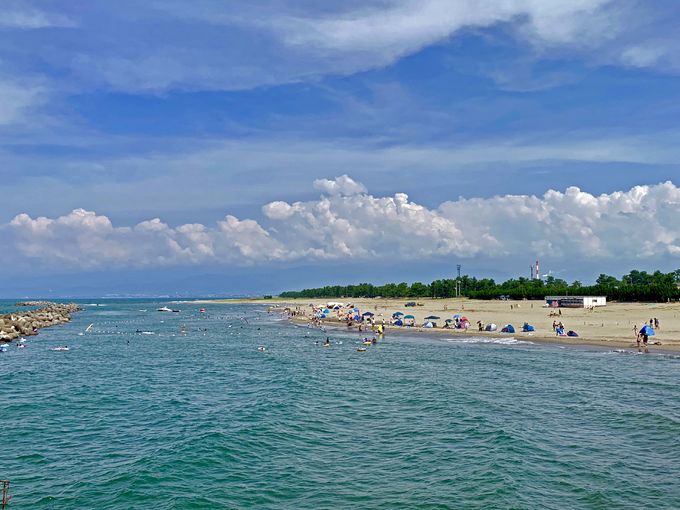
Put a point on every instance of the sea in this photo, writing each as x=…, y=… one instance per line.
x=235, y=408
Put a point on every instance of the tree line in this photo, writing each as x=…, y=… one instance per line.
x=634, y=286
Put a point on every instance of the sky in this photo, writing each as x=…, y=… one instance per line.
x=223, y=147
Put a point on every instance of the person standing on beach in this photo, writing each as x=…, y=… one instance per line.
x=635, y=333
x=656, y=323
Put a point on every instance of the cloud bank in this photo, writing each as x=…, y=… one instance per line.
x=347, y=223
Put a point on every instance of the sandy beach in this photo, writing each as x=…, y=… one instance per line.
x=611, y=325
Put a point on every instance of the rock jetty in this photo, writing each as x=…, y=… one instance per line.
x=33, y=303
x=14, y=325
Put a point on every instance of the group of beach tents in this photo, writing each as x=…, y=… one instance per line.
x=457, y=322
x=399, y=319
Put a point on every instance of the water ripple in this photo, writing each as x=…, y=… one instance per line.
x=204, y=420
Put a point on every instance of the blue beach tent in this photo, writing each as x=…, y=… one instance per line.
x=528, y=327
x=509, y=328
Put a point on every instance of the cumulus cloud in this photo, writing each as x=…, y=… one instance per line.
x=343, y=185
x=352, y=224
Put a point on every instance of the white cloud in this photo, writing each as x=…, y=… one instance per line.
x=17, y=100
x=571, y=225
x=644, y=55
x=386, y=32
x=16, y=14
x=221, y=46
x=343, y=185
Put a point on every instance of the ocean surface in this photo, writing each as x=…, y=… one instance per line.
x=138, y=415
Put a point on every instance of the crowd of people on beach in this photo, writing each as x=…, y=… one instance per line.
x=351, y=316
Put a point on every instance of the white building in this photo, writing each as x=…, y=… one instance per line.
x=575, y=301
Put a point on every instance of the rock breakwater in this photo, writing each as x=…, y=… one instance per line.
x=14, y=325
x=33, y=303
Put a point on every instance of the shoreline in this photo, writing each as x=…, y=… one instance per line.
x=609, y=327
x=520, y=337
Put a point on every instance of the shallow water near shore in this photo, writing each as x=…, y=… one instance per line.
x=138, y=414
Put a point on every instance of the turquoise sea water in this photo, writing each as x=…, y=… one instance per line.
x=126, y=420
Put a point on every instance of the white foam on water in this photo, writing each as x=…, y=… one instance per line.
x=487, y=340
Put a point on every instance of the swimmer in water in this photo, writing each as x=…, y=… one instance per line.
x=328, y=341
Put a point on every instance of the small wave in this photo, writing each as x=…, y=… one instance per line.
x=485, y=340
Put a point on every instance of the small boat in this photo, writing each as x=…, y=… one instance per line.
x=202, y=310
x=361, y=349
x=164, y=309
x=61, y=348
x=367, y=342
x=261, y=348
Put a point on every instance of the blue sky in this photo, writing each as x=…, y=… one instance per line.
x=225, y=147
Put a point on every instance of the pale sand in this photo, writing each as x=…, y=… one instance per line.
x=611, y=325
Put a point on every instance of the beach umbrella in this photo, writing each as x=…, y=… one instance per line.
x=448, y=320
x=464, y=319
x=395, y=314
x=432, y=317
x=409, y=317
x=367, y=314
x=457, y=316
x=647, y=330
